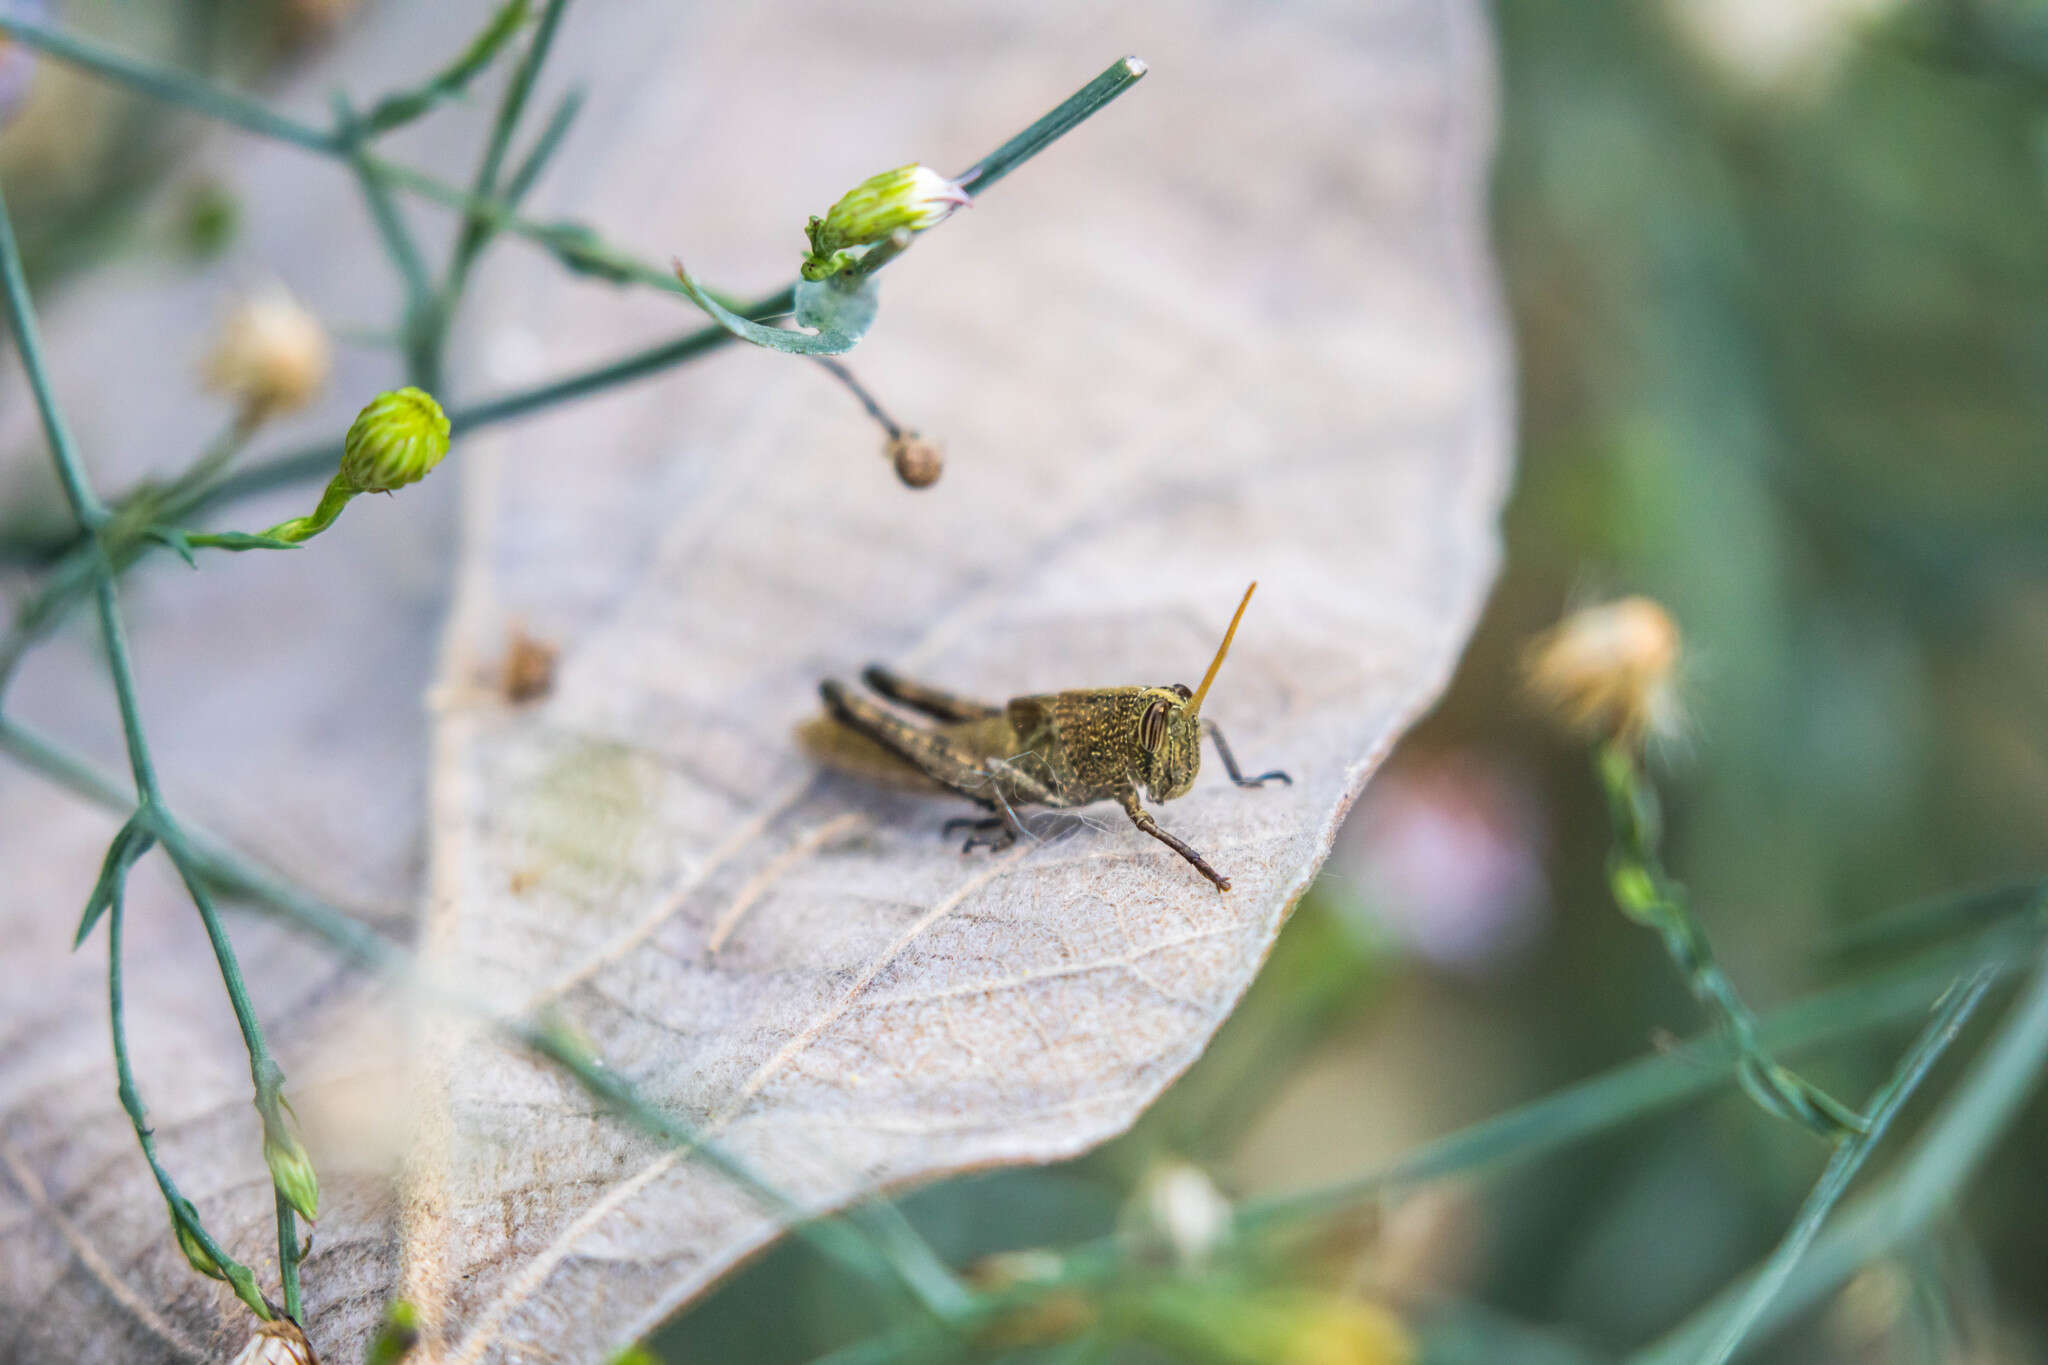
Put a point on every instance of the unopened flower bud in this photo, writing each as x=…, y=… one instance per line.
x=396, y=440
x=918, y=461
x=1610, y=671
x=278, y=1342
x=271, y=356
x=195, y=1254
x=907, y=199
x=291, y=1170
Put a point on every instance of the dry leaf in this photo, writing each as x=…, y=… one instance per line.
x=1242, y=325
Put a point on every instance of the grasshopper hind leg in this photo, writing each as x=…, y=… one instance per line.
x=932, y=701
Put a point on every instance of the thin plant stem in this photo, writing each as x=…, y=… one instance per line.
x=168, y=85
x=1649, y=895
x=1121, y=76
x=873, y=1229
x=859, y=390
x=476, y=230
x=287, y=1254
x=91, y=516
x=1842, y=1167
x=183, y=1215
x=297, y=466
x=543, y=150
x=1925, y=1188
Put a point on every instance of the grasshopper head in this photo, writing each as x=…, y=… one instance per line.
x=1170, y=725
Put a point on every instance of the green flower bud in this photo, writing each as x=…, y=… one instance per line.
x=396, y=440
x=196, y=1254
x=291, y=1170
x=907, y=199
x=397, y=1336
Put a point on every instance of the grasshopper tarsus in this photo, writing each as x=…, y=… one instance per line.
x=992, y=832
x=1058, y=749
x=1209, y=728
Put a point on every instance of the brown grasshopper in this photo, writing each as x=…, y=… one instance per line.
x=1062, y=749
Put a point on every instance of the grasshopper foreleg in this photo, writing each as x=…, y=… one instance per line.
x=1142, y=818
x=1230, y=762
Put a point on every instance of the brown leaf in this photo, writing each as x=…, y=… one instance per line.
x=1241, y=325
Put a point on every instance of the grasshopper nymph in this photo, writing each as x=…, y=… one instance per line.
x=1062, y=749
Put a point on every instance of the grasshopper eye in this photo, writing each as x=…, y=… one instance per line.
x=1184, y=690
x=1152, y=725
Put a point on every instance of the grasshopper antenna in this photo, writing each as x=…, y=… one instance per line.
x=1195, y=702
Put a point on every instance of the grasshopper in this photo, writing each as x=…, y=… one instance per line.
x=1060, y=749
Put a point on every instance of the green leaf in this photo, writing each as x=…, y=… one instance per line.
x=394, y=110
x=578, y=247
x=135, y=838
x=841, y=321
x=178, y=542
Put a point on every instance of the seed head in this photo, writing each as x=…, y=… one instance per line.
x=907, y=199
x=918, y=461
x=395, y=441
x=271, y=355
x=1180, y=1203
x=278, y=1342
x=1610, y=671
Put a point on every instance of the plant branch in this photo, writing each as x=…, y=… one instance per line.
x=91, y=516
x=184, y=1217
x=1926, y=1186
x=476, y=229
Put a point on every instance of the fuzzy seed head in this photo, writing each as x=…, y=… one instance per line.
x=1609, y=671
x=271, y=356
x=395, y=441
x=278, y=1342
x=1179, y=1201
x=918, y=461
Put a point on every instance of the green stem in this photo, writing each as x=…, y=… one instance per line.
x=1121, y=76
x=298, y=465
x=176, y=87
x=168, y=85
x=183, y=1214
x=1842, y=1167
x=91, y=515
x=288, y=1254
x=1648, y=895
x=1926, y=1187
x=476, y=230
x=912, y=1263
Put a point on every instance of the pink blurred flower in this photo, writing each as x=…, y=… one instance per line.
x=1446, y=852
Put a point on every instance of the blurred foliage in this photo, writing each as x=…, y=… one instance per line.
x=1782, y=328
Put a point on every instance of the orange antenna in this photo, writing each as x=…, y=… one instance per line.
x=1195, y=702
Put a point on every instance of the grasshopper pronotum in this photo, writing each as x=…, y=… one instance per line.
x=1060, y=749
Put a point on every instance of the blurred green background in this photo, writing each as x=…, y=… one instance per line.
x=1779, y=278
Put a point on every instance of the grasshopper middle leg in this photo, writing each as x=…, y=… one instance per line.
x=1230, y=762
x=934, y=702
